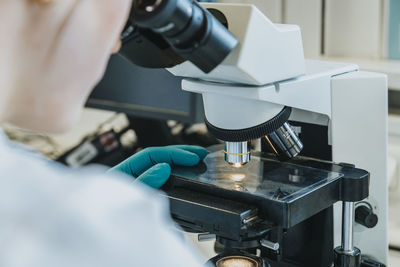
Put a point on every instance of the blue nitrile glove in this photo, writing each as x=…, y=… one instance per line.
x=151, y=165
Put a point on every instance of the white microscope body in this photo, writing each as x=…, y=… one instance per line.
x=267, y=72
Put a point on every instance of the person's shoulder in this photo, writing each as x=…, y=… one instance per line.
x=20, y=162
x=24, y=170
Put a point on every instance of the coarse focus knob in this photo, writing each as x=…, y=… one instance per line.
x=365, y=216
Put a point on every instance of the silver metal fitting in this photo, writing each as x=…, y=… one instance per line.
x=237, y=153
x=206, y=237
x=284, y=142
x=268, y=244
x=347, y=226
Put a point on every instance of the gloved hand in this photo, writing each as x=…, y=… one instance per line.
x=151, y=165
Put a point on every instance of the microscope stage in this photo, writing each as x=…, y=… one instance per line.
x=262, y=177
x=284, y=193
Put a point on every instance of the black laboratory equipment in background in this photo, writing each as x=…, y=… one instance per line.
x=154, y=94
x=150, y=98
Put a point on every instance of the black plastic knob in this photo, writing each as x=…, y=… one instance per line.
x=365, y=216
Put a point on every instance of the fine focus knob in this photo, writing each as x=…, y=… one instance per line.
x=365, y=216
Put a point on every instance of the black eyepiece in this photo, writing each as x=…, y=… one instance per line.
x=191, y=31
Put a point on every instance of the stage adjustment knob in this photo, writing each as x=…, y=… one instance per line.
x=365, y=216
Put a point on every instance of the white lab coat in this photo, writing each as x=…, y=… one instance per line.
x=52, y=216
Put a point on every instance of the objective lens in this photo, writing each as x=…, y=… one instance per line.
x=237, y=164
x=284, y=142
x=237, y=153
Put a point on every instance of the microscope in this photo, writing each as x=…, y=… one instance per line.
x=316, y=192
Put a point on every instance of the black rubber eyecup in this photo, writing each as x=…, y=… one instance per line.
x=255, y=132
